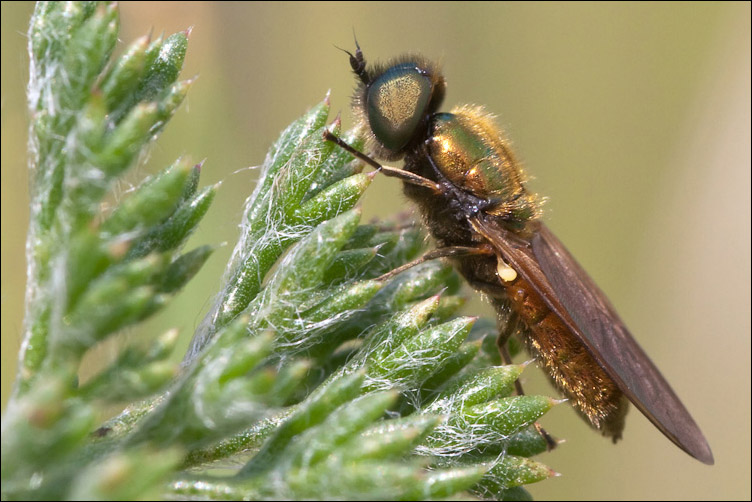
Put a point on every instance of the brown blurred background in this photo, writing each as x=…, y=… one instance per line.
x=634, y=120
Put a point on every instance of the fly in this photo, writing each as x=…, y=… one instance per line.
x=471, y=193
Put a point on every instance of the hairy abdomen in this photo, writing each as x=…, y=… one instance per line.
x=570, y=366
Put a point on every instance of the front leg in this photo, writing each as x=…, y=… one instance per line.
x=405, y=176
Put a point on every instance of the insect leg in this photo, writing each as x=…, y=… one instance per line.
x=432, y=255
x=405, y=176
x=511, y=327
x=408, y=225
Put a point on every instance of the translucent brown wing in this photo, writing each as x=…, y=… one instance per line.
x=573, y=296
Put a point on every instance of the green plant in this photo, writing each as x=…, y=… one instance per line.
x=316, y=377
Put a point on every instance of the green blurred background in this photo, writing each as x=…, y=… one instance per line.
x=634, y=119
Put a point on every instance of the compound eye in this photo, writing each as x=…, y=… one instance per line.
x=397, y=101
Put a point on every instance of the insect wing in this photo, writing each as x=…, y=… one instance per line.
x=573, y=296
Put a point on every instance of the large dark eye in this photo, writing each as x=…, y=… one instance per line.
x=397, y=101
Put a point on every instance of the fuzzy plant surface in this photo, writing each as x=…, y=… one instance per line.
x=311, y=377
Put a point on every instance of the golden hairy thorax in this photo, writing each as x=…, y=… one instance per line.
x=470, y=151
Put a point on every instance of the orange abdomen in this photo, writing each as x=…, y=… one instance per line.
x=569, y=364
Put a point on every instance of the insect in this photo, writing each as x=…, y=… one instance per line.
x=471, y=192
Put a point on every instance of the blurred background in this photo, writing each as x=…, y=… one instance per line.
x=633, y=119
